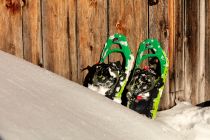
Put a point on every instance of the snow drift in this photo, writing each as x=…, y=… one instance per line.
x=39, y=105
x=192, y=122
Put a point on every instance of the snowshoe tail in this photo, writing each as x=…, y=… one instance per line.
x=146, y=84
x=110, y=79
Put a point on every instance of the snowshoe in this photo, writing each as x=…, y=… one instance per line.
x=110, y=79
x=146, y=84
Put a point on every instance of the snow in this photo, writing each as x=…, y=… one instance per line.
x=190, y=121
x=39, y=105
x=99, y=89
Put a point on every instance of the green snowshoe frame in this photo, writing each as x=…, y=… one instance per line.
x=154, y=46
x=124, y=49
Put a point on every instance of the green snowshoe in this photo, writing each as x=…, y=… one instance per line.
x=146, y=84
x=110, y=79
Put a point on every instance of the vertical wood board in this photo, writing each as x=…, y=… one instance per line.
x=193, y=51
x=91, y=32
x=32, y=32
x=72, y=34
x=207, y=51
x=179, y=39
x=159, y=28
x=128, y=17
x=54, y=33
x=201, y=74
x=11, y=27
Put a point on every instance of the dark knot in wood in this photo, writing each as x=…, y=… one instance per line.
x=93, y=3
x=152, y=2
x=14, y=6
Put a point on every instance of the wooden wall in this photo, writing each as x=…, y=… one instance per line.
x=66, y=36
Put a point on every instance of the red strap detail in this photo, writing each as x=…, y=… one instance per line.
x=139, y=98
x=146, y=67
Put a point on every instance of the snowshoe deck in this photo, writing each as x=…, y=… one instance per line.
x=110, y=79
x=146, y=84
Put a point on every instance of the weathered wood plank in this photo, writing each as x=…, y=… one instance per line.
x=55, y=41
x=158, y=23
x=72, y=34
x=207, y=52
x=171, y=44
x=32, y=32
x=91, y=32
x=176, y=47
x=201, y=75
x=129, y=17
x=178, y=60
x=11, y=27
x=159, y=28
x=194, y=53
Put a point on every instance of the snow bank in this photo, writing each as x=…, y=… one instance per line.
x=190, y=121
x=39, y=105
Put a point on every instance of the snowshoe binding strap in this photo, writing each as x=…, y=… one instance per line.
x=146, y=85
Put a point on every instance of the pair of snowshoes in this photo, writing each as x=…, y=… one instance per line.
x=128, y=83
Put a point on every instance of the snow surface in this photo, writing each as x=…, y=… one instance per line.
x=99, y=89
x=39, y=105
x=190, y=121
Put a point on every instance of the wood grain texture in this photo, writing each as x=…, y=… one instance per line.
x=91, y=32
x=11, y=27
x=176, y=46
x=159, y=28
x=55, y=41
x=207, y=51
x=72, y=40
x=129, y=17
x=201, y=74
x=171, y=44
x=32, y=32
x=178, y=54
x=193, y=54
